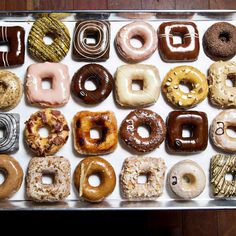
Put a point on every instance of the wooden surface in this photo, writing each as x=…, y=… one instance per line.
x=209, y=223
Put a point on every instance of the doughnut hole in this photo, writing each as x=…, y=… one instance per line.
x=137, y=85
x=47, y=83
x=91, y=84
x=91, y=37
x=230, y=80
x=137, y=41
x=188, y=131
x=48, y=178
x=96, y=133
x=231, y=131
x=188, y=180
x=3, y=176
x=3, y=88
x=94, y=180
x=48, y=38
x=144, y=130
x=185, y=86
x=229, y=177
x=178, y=38
x=4, y=47
x=2, y=131
x=143, y=178
x=224, y=36
x=44, y=131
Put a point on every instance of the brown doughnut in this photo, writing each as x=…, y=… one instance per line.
x=143, y=117
x=219, y=41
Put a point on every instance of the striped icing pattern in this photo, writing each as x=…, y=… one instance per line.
x=4, y=38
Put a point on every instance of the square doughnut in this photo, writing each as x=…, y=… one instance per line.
x=84, y=49
x=56, y=166
x=104, y=122
x=133, y=167
x=14, y=37
x=187, y=50
x=10, y=126
x=147, y=95
x=196, y=122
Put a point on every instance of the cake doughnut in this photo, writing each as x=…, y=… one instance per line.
x=94, y=166
x=58, y=135
x=219, y=41
x=57, y=50
x=133, y=167
x=137, y=29
x=56, y=96
x=11, y=90
x=220, y=94
x=142, y=117
x=187, y=179
x=58, y=168
x=13, y=174
x=101, y=78
x=104, y=122
x=190, y=76
x=126, y=75
x=220, y=166
x=219, y=126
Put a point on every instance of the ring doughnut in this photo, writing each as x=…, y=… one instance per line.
x=187, y=179
x=133, y=167
x=94, y=166
x=13, y=174
x=59, y=132
x=101, y=78
x=10, y=90
x=219, y=41
x=141, y=30
x=190, y=76
x=143, y=117
x=57, y=50
x=220, y=94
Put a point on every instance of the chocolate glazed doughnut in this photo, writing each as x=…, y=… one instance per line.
x=100, y=76
x=143, y=117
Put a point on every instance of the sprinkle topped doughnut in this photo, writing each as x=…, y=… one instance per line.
x=48, y=26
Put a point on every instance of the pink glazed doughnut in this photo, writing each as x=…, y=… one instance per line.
x=140, y=30
x=56, y=96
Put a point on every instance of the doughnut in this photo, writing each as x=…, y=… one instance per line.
x=187, y=50
x=86, y=50
x=13, y=174
x=136, y=15
x=57, y=50
x=196, y=122
x=187, y=179
x=220, y=94
x=220, y=166
x=10, y=90
x=58, y=95
x=147, y=95
x=141, y=30
x=10, y=125
x=94, y=166
x=104, y=122
x=57, y=15
x=220, y=124
x=14, y=38
x=133, y=167
x=142, y=117
x=101, y=78
x=58, y=135
x=58, y=168
x=191, y=77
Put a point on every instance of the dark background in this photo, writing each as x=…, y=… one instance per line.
x=196, y=222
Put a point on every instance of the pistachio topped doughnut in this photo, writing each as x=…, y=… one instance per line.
x=57, y=50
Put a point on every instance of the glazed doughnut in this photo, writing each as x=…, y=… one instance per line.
x=58, y=168
x=10, y=125
x=137, y=29
x=189, y=76
x=187, y=179
x=14, y=37
x=94, y=166
x=142, y=117
x=197, y=124
x=103, y=121
x=101, y=78
x=58, y=95
x=188, y=50
x=219, y=41
x=147, y=74
x=57, y=15
x=10, y=90
x=220, y=166
x=83, y=50
x=220, y=124
x=154, y=168
x=59, y=132
x=58, y=49
x=220, y=94
x=13, y=174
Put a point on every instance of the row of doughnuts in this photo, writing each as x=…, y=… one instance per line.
x=219, y=41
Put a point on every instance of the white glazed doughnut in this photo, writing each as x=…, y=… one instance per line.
x=187, y=179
